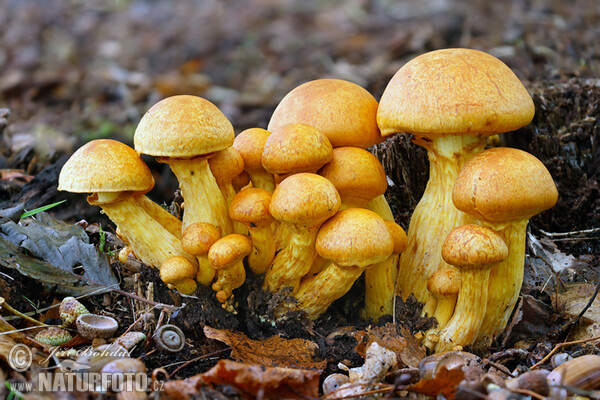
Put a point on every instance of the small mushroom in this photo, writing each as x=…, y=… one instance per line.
x=250, y=145
x=196, y=240
x=53, y=336
x=179, y=273
x=251, y=208
x=70, y=308
x=444, y=286
x=295, y=148
x=225, y=165
x=94, y=326
x=169, y=339
x=226, y=256
x=473, y=250
x=352, y=240
x=302, y=203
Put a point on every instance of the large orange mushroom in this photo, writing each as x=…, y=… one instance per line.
x=450, y=100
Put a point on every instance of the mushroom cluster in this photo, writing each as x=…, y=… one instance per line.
x=259, y=198
x=302, y=201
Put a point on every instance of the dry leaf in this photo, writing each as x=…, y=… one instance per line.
x=445, y=383
x=271, y=352
x=252, y=381
x=408, y=349
x=572, y=302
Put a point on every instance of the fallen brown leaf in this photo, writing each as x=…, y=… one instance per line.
x=408, y=350
x=272, y=352
x=251, y=380
x=445, y=383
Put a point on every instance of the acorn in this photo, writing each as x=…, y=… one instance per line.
x=54, y=336
x=93, y=326
x=70, y=308
x=130, y=340
x=169, y=339
x=582, y=372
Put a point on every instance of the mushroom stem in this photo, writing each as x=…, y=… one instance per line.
x=505, y=278
x=294, y=260
x=204, y=201
x=263, y=248
x=317, y=293
x=435, y=215
x=165, y=218
x=262, y=180
x=150, y=241
x=380, y=278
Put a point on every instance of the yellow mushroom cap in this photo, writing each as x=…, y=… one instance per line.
x=473, y=245
x=176, y=269
x=454, y=91
x=105, y=165
x=250, y=144
x=229, y=250
x=296, y=148
x=226, y=164
x=198, y=237
x=445, y=282
x=355, y=237
x=342, y=110
x=183, y=126
x=355, y=173
x=251, y=206
x=504, y=184
x=304, y=199
x=399, y=236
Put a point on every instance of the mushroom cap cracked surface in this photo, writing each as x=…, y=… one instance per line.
x=181, y=127
x=304, y=199
x=355, y=173
x=296, y=148
x=229, y=250
x=454, y=91
x=198, y=237
x=251, y=206
x=250, y=144
x=105, y=165
x=355, y=237
x=473, y=246
x=342, y=110
x=504, y=184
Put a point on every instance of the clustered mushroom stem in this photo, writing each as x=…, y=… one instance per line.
x=468, y=313
x=150, y=241
x=435, y=215
x=165, y=218
x=505, y=278
x=263, y=249
x=294, y=260
x=262, y=180
x=315, y=293
x=380, y=278
x=204, y=201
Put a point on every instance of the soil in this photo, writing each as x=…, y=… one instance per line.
x=73, y=72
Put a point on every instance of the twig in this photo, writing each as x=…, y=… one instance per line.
x=7, y=307
x=560, y=346
x=568, y=234
x=387, y=388
x=528, y=393
x=214, y=353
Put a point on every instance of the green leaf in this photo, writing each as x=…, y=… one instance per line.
x=40, y=209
